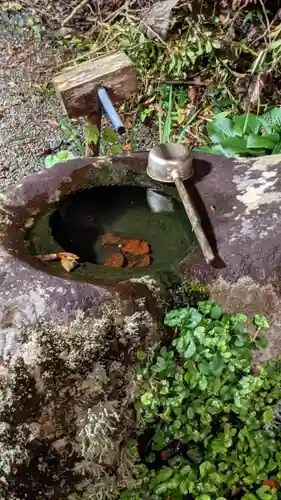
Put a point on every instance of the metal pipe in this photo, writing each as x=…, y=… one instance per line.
x=110, y=110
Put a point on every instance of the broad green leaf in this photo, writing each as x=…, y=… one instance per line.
x=217, y=364
x=147, y=398
x=110, y=136
x=271, y=118
x=184, y=487
x=219, y=129
x=158, y=442
x=277, y=148
x=267, y=141
x=261, y=342
x=164, y=474
x=216, y=312
x=61, y=156
x=176, y=316
x=260, y=322
x=162, y=488
x=188, y=353
x=246, y=124
x=237, y=144
x=92, y=133
x=268, y=415
x=115, y=149
x=206, y=468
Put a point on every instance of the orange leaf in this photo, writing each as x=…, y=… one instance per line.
x=110, y=239
x=135, y=247
x=67, y=255
x=271, y=483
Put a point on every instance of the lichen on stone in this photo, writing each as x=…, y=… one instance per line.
x=66, y=399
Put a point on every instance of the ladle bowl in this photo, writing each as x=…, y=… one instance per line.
x=166, y=158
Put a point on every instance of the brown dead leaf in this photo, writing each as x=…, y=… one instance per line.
x=110, y=239
x=48, y=257
x=115, y=260
x=127, y=148
x=135, y=247
x=128, y=124
x=193, y=95
x=140, y=261
x=68, y=264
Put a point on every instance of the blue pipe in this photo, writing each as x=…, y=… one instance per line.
x=110, y=110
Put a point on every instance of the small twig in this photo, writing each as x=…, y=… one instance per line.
x=74, y=12
x=266, y=19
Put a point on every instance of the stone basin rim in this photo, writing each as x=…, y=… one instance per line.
x=40, y=191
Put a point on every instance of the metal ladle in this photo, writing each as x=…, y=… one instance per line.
x=172, y=163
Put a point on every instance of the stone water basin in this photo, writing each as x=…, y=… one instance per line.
x=68, y=340
x=107, y=199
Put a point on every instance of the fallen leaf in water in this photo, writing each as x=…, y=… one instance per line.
x=142, y=261
x=67, y=255
x=68, y=264
x=115, y=260
x=110, y=239
x=68, y=260
x=48, y=257
x=135, y=247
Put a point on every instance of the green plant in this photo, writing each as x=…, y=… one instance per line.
x=109, y=142
x=51, y=160
x=215, y=425
x=245, y=135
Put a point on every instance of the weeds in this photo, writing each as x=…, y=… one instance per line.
x=214, y=425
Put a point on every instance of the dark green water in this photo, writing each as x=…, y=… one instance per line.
x=78, y=223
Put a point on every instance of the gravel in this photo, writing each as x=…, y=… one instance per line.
x=29, y=119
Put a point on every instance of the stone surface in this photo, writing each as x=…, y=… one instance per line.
x=67, y=348
x=67, y=351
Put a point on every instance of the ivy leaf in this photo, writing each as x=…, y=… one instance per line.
x=261, y=342
x=147, y=398
x=176, y=317
x=216, y=312
x=260, y=322
x=191, y=350
x=158, y=442
x=268, y=415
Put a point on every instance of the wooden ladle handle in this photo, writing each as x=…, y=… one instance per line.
x=193, y=218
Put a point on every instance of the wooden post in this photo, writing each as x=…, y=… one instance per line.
x=77, y=87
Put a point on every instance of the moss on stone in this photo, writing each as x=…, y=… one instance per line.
x=187, y=293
